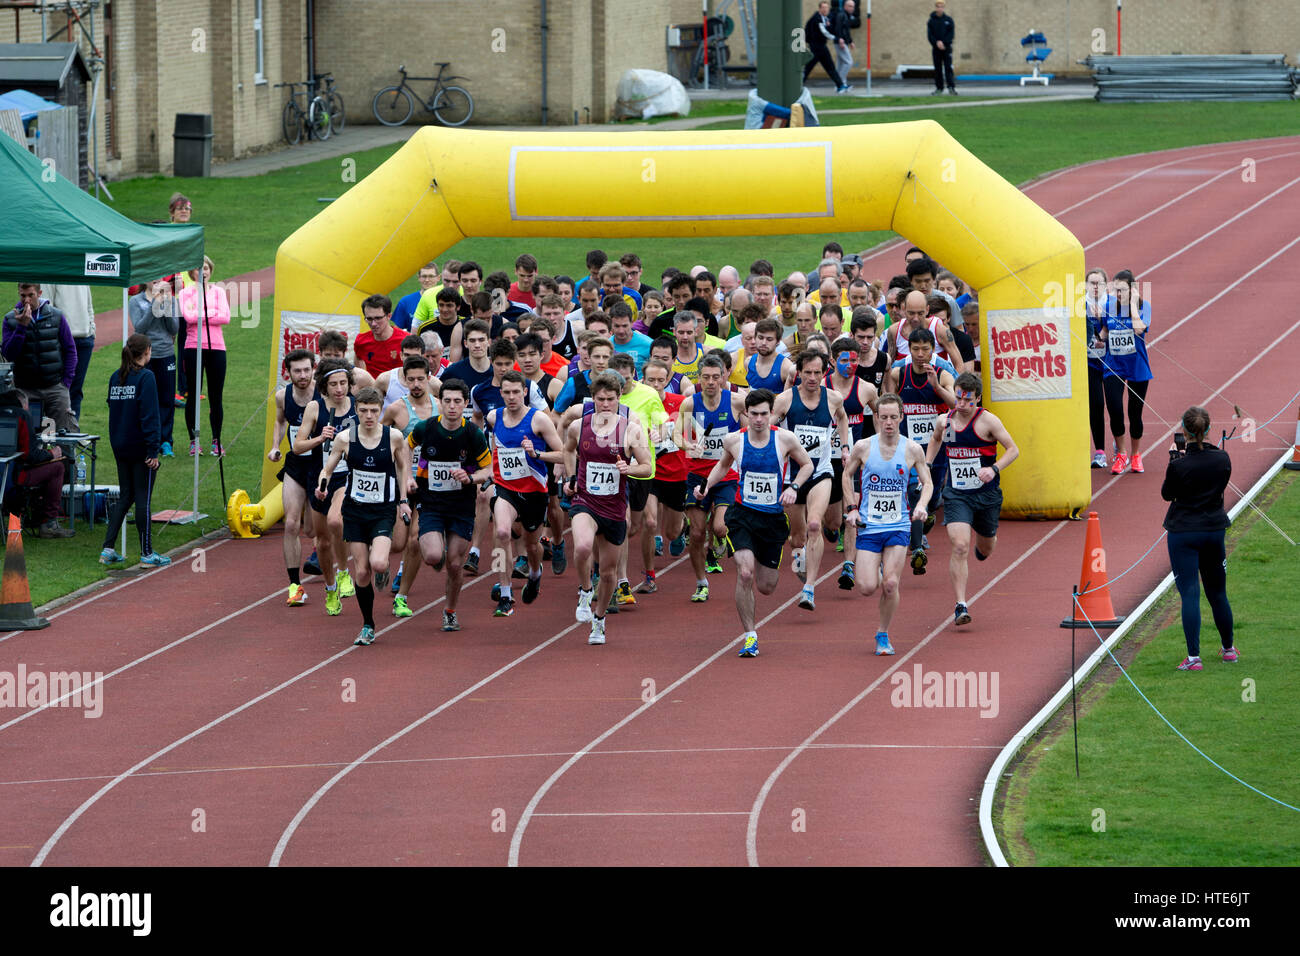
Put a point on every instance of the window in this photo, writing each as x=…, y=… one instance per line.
x=259, y=75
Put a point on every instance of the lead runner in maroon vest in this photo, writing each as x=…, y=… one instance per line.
x=599, y=451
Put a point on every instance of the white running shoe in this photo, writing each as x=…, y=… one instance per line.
x=597, y=635
x=799, y=566
x=583, y=613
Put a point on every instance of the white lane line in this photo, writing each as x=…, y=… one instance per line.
x=1222, y=292
x=530, y=810
x=1223, y=225
x=751, y=836
x=81, y=810
x=325, y=765
x=140, y=660
x=107, y=591
x=650, y=813
x=1179, y=198
x=315, y=798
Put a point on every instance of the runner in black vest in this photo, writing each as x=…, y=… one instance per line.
x=298, y=476
x=379, y=479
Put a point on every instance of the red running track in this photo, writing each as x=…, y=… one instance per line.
x=255, y=733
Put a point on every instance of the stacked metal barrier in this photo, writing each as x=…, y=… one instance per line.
x=1133, y=79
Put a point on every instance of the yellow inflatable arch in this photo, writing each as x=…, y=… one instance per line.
x=446, y=185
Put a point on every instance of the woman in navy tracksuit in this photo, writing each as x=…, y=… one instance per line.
x=134, y=432
x=1194, y=484
x=1094, y=304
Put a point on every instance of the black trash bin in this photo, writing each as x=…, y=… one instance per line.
x=192, y=145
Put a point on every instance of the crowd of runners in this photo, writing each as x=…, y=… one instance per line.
x=721, y=415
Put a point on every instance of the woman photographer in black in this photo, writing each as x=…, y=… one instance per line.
x=1194, y=483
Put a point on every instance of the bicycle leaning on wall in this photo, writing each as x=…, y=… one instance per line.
x=450, y=105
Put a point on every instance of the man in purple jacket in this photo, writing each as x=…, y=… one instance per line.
x=39, y=343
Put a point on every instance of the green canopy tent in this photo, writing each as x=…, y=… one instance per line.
x=53, y=232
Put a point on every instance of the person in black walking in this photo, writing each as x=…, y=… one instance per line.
x=134, y=433
x=819, y=33
x=940, y=30
x=1194, y=483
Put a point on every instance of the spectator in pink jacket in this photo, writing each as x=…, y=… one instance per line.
x=214, y=352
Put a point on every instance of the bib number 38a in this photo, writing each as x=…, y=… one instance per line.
x=512, y=463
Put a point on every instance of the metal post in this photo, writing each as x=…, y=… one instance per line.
x=868, y=47
x=1119, y=27
x=705, y=5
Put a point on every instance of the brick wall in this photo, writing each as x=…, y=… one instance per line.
x=989, y=31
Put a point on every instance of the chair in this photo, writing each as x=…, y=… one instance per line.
x=1038, y=53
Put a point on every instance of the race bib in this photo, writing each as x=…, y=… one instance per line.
x=602, y=478
x=1096, y=351
x=711, y=446
x=1122, y=342
x=884, y=507
x=293, y=436
x=760, y=488
x=921, y=427
x=368, y=487
x=513, y=464
x=440, y=478
x=837, y=447
x=342, y=467
x=666, y=447
x=811, y=437
x=964, y=473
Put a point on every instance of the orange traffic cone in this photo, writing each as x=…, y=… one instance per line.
x=16, y=611
x=1092, y=606
x=1294, y=463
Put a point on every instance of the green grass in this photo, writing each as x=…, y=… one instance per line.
x=722, y=108
x=1164, y=804
x=56, y=567
x=246, y=220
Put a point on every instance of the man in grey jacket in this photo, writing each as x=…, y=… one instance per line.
x=38, y=340
x=154, y=313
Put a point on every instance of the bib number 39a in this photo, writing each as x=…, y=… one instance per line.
x=760, y=488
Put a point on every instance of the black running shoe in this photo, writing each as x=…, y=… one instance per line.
x=531, y=589
x=558, y=561
x=961, y=615
x=471, y=564
x=505, y=608
x=919, y=561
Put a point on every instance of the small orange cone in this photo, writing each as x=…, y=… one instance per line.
x=16, y=611
x=1093, y=608
x=1294, y=463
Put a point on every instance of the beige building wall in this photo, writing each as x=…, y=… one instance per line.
x=185, y=56
x=989, y=31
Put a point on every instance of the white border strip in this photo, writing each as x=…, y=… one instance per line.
x=1013, y=746
x=825, y=213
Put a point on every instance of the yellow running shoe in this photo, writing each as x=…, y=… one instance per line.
x=333, y=604
x=400, y=608
x=345, y=586
x=297, y=595
x=625, y=596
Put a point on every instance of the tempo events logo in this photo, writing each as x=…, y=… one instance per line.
x=75, y=909
x=923, y=688
x=53, y=689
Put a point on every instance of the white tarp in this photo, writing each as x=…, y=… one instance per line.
x=646, y=93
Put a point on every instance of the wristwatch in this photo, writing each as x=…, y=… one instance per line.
x=794, y=486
